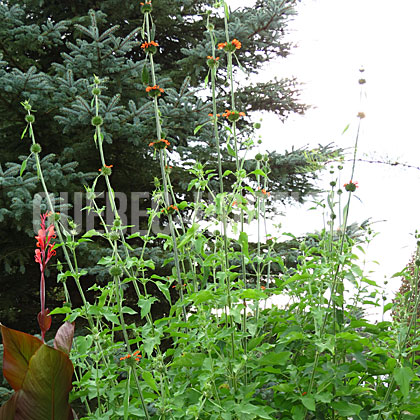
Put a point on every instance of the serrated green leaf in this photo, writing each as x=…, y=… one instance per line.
x=346, y=409
x=403, y=376
x=148, y=378
x=308, y=402
x=279, y=358
x=63, y=310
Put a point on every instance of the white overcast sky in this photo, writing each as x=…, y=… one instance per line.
x=334, y=39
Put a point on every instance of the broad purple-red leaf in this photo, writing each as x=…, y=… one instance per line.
x=64, y=337
x=45, y=390
x=18, y=349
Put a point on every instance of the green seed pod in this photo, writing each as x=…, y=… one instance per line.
x=350, y=187
x=96, y=91
x=258, y=156
x=333, y=183
x=212, y=62
x=97, y=121
x=30, y=118
x=36, y=148
x=115, y=271
x=91, y=195
x=210, y=27
x=257, y=125
x=106, y=171
x=114, y=236
x=234, y=116
x=146, y=8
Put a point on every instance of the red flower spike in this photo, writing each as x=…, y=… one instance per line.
x=42, y=256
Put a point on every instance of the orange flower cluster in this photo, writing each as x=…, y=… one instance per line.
x=170, y=210
x=266, y=193
x=210, y=57
x=228, y=113
x=237, y=44
x=147, y=2
x=149, y=44
x=160, y=144
x=211, y=115
x=136, y=355
x=155, y=87
x=106, y=166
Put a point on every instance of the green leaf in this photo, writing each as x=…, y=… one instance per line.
x=259, y=172
x=111, y=317
x=308, y=402
x=345, y=129
x=145, y=75
x=252, y=294
x=388, y=306
x=403, y=376
x=243, y=242
x=189, y=360
x=148, y=378
x=24, y=132
x=164, y=289
x=230, y=150
x=280, y=358
x=202, y=296
x=128, y=310
x=346, y=409
x=23, y=167
x=324, y=397
x=199, y=127
x=145, y=304
x=83, y=344
x=63, y=310
x=226, y=10
x=90, y=233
